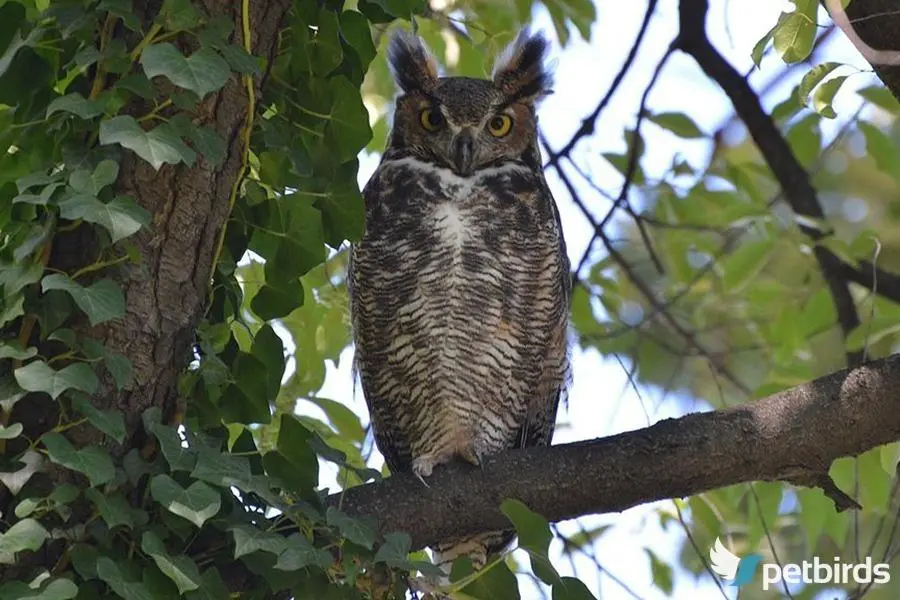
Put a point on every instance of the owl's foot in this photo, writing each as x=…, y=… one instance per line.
x=423, y=466
x=428, y=587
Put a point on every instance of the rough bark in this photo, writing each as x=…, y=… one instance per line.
x=877, y=23
x=792, y=436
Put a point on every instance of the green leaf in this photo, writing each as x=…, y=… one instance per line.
x=11, y=431
x=38, y=376
x=109, y=572
x=491, y=584
x=114, y=509
x=157, y=146
x=881, y=97
x=570, y=588
x=872, y=332
x=745, y=263
x=84, y=181
x=208, y=143
x=101, y=302
x=812, y=79
x=794, y=36
x=394, y=552
x=824, y=96
x=249, y=539
x=27, y=534
x=678, y=123
x=240, y=60
x=202, y=72
x=93, y=461
x=121, y=216
x=180, y=569
x=177, y=15
x=47, y=589
x=359, y=530
x=222, y=469
x=75, y=104
x=120, y=368
x=299, y=553
x=110, y=422
x=760, y=47
x=13, y=349
x=179, y=456
x=534, y=537
x=348, y=128
x=198, y=503
x=246, y=400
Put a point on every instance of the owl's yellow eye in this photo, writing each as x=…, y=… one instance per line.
x=500, y=125
x=431, y=119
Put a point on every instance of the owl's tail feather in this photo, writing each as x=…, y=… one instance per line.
x=479, y=548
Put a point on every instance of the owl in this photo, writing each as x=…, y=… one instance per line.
x=460, y=286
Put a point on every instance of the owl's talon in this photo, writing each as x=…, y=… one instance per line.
x=422, y=479
x=422, y=468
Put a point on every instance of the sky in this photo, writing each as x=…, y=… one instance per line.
x=601, y=400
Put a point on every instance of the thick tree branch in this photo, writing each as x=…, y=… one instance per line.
x=792, y=436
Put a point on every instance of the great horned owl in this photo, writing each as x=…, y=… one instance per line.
x=460, y=287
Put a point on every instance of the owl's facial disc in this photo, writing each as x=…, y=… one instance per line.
x=464, y=151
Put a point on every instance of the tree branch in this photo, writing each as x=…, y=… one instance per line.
x=793, y=178
x=792, y=436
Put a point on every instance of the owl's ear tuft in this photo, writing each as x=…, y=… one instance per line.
x=520, y=71
x=414, y=68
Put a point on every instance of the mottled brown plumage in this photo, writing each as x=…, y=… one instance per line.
x=460, y=286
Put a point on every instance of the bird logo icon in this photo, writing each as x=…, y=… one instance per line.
x=730, y=567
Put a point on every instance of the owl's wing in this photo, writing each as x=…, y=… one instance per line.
x=555, y=376
x=365, y=283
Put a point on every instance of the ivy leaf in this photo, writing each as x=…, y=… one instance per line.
x=13, y=349
x=27, y=534
x=662, y=573
x=101, y=302
x=198, y=503
x=240, y=60
x=534, y=536
x=249, y=539
x=109, y=572
x=760, y=47
x=179, y=456
x=180, y=569
x=348, y=128
x=39, y=589
x=299, y=553
x=38, y=376
x=114, y=509
x=359, y=530
x=110, y=422
x=121, y=216
x=208, y=143
x=222, y=469
x=246, y=400
x=202, y=72
x=75, y=104
x=92, y=183
x=93, y=461
x=157, y=146
x=10, y=432
x=15, y=480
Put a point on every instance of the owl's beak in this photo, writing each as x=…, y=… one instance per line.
x=463, y=154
